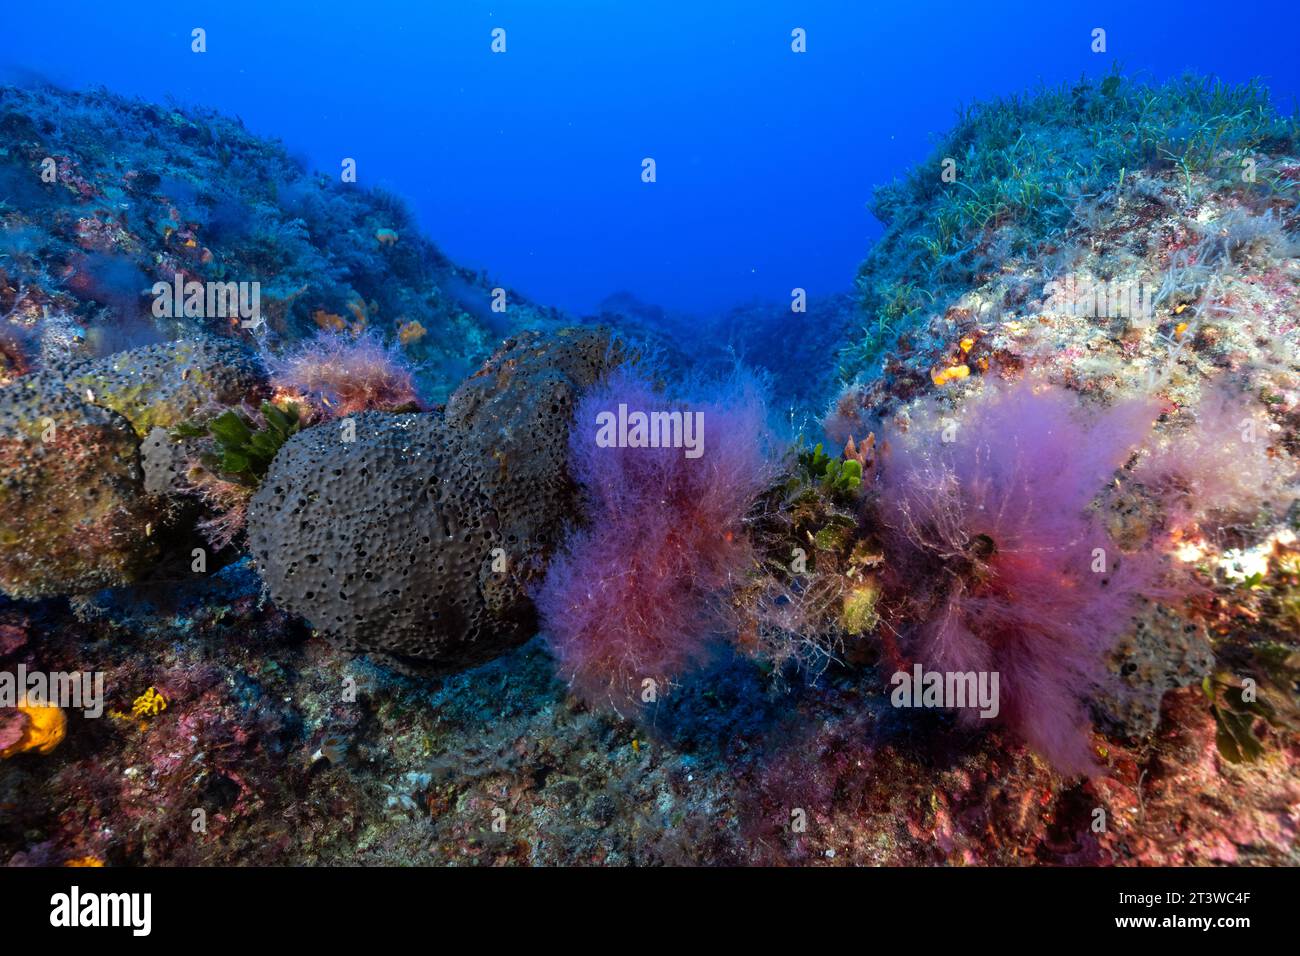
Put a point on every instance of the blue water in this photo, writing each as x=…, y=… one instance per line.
x=527, y=164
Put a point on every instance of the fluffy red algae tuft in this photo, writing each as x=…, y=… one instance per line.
x=1221, y=465
x=338, y=375
x=636, y=594
x=998, y=564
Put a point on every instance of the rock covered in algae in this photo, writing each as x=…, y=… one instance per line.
x=418, y=540
x=163, y=385
x=74, y=515
x=1163, y=651
x=77, y=510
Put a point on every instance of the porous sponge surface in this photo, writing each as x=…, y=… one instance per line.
x=418, y=541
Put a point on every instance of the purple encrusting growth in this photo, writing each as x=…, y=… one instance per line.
x=636, y=593
x=992, y=553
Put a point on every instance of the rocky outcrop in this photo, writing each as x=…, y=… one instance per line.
x=161, y=386
x=74, y=515
x=87, y=468
x=1163, y=652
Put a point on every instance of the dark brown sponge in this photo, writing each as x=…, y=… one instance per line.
x=419, y=540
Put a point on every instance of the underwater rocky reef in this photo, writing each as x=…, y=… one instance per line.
x=373, y=566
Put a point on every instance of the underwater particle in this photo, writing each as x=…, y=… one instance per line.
x=149, y=704
x=45, y=729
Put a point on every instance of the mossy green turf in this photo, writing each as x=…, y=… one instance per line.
x=1023, y=167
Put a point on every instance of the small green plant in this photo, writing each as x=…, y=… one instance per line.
x=1234, y=719
x=245, y=448
x=1267, y=695
x=837, y=475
